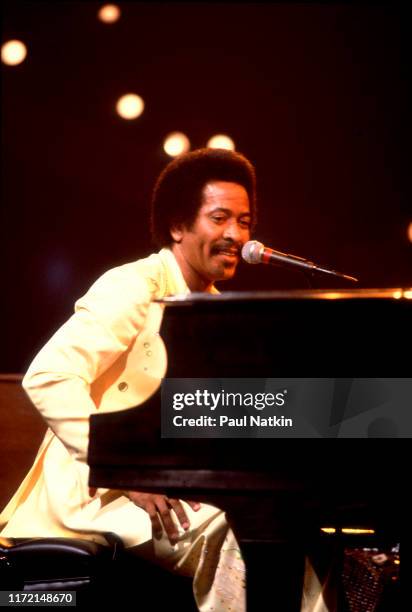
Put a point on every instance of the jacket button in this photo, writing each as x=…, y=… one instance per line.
x=149, y=353
x=123, y=386
x=146, y=344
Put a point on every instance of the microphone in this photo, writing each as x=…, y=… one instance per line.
x=254, y=252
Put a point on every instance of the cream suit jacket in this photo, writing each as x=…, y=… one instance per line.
x=112, y=338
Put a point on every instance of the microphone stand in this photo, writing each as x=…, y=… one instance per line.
x=309, y=266
x=255, y=252
x=311, y=271
x=312, y=274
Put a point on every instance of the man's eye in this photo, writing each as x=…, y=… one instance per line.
x=218, y=218
x=245, y=224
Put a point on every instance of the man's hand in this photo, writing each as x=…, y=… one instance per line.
x=158, y=508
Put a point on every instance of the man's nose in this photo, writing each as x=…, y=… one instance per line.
x=233, y=231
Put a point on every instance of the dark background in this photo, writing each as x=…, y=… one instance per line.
x=315, y=95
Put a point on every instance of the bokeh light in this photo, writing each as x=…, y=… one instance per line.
x=221, y=141
x=13, y=52
x=409, y=232
x=176, y=143
x=130, y=106
x=109, y=13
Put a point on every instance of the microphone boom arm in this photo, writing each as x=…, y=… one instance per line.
x=255, y=252
x=293, y=260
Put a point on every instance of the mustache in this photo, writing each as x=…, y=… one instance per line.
x=226, y=245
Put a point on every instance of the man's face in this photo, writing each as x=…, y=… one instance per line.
x=210, y=249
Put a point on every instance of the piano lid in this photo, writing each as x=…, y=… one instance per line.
x=311, y=294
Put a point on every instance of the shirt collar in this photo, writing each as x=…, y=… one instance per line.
x=175, y=282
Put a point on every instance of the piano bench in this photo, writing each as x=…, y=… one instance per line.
x=55, y=564
x=99, y=574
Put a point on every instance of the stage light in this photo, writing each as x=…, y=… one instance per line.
x=13, y=52
x=357, y=531
x=332, y=295
x=109, y=13
x=130, y=106
x=221, y=141
x=348, y=530
x=409, y=232
x=176, y=143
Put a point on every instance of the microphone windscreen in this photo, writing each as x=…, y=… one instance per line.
x=251, y=251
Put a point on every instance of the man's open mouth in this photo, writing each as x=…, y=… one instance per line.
x=229, y=253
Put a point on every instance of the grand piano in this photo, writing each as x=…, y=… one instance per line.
x=279, y=492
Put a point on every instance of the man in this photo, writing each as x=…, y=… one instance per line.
x=109, y=356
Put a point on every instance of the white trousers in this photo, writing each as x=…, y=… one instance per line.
x=210, y=554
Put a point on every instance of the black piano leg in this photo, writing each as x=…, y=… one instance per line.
x=274, y=576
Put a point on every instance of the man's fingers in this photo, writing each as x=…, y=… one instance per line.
x=194, y=505
x=154, y=517
x=180, y=513
x=159, y=508
x=166, y=518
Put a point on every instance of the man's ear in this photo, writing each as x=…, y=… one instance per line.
x=176, y=231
